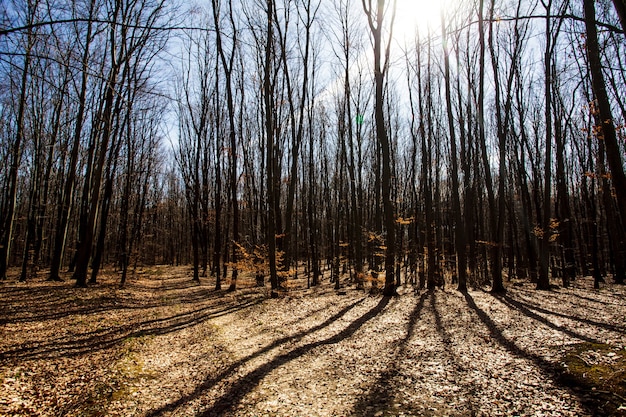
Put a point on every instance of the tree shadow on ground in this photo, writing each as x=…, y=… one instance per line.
x=549, y=369
x=245, y=384
x=522, y=308
x=380, y=397
x=575, y=292
x=447, y=339
x=529, y=309
x=71, y=345
x=81, y=321
x=58, y=300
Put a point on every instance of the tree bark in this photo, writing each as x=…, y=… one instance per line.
x=459, y=226
x=227, y=65
x=606, y=128
x=543, y=283
x=376, y=22
x=8, y=216
x=268, y=95
x=620, y=8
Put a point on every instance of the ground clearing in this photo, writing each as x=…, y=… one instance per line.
x=164, y=346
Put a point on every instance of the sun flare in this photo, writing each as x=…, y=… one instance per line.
x=417, y=16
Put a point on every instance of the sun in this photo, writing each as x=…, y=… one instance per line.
x=414, y=16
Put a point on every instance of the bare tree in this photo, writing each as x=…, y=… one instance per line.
x=227, y=61
x=124, y=44
x=271, y=175
x=606, y=126
x=376, y=20
x=459, y=226
x=8, y=212
x=63, y=209
x=196, y=105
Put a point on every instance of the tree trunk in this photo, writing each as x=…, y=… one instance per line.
x=620, y=8
x=376, y=26
x=63, y=212
x=8, y=216
x=227, y=65
x=565, y=215
x=544, y=257
x=459, y=226
x=606, y=128
x=268, y=94
x=615, y=229
x=94, y=184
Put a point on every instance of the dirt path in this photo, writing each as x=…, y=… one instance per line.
x=163, y=347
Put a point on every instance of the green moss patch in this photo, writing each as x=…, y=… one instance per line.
x=119, y=383
x=131, y=368
x=597, y=372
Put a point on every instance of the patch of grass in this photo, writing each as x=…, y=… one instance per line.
x=129, y=369
x=131, y=366
x=598, y=372
x=95, y=404
x=156, y=271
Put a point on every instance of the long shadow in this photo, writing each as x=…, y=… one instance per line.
x=373, y=404
x=14, y=294
x=525, y=306
x=443, y=332
x=549, y=369
x=104, y=339
x=59, y=307
x=380, y=397
x=170, y=284
x=70, y=304
x=237, y=391
x=244, y=384
x=296, y=319
x=15, y=300
x=568, y=293
x=446, y=337
x=517, y=305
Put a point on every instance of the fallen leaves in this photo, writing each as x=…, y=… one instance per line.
x=166, y=346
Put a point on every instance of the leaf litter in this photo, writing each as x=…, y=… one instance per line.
x=165, y=346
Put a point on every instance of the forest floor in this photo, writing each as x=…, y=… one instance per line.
x=164, y=346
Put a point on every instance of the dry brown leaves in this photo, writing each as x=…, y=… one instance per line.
x=166, y=346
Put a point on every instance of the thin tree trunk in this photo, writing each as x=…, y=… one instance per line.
x=268, y=94
x=63, y=213
x=459, y=226
x=34, y=197
x=227, y=65
x=8, y=217
x=615, y=229
x=41, y=209
x=93, y=196
x=483, y=144
x=563, y=208
x=543, y=283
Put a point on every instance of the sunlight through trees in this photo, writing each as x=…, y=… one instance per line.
x=371, y=143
